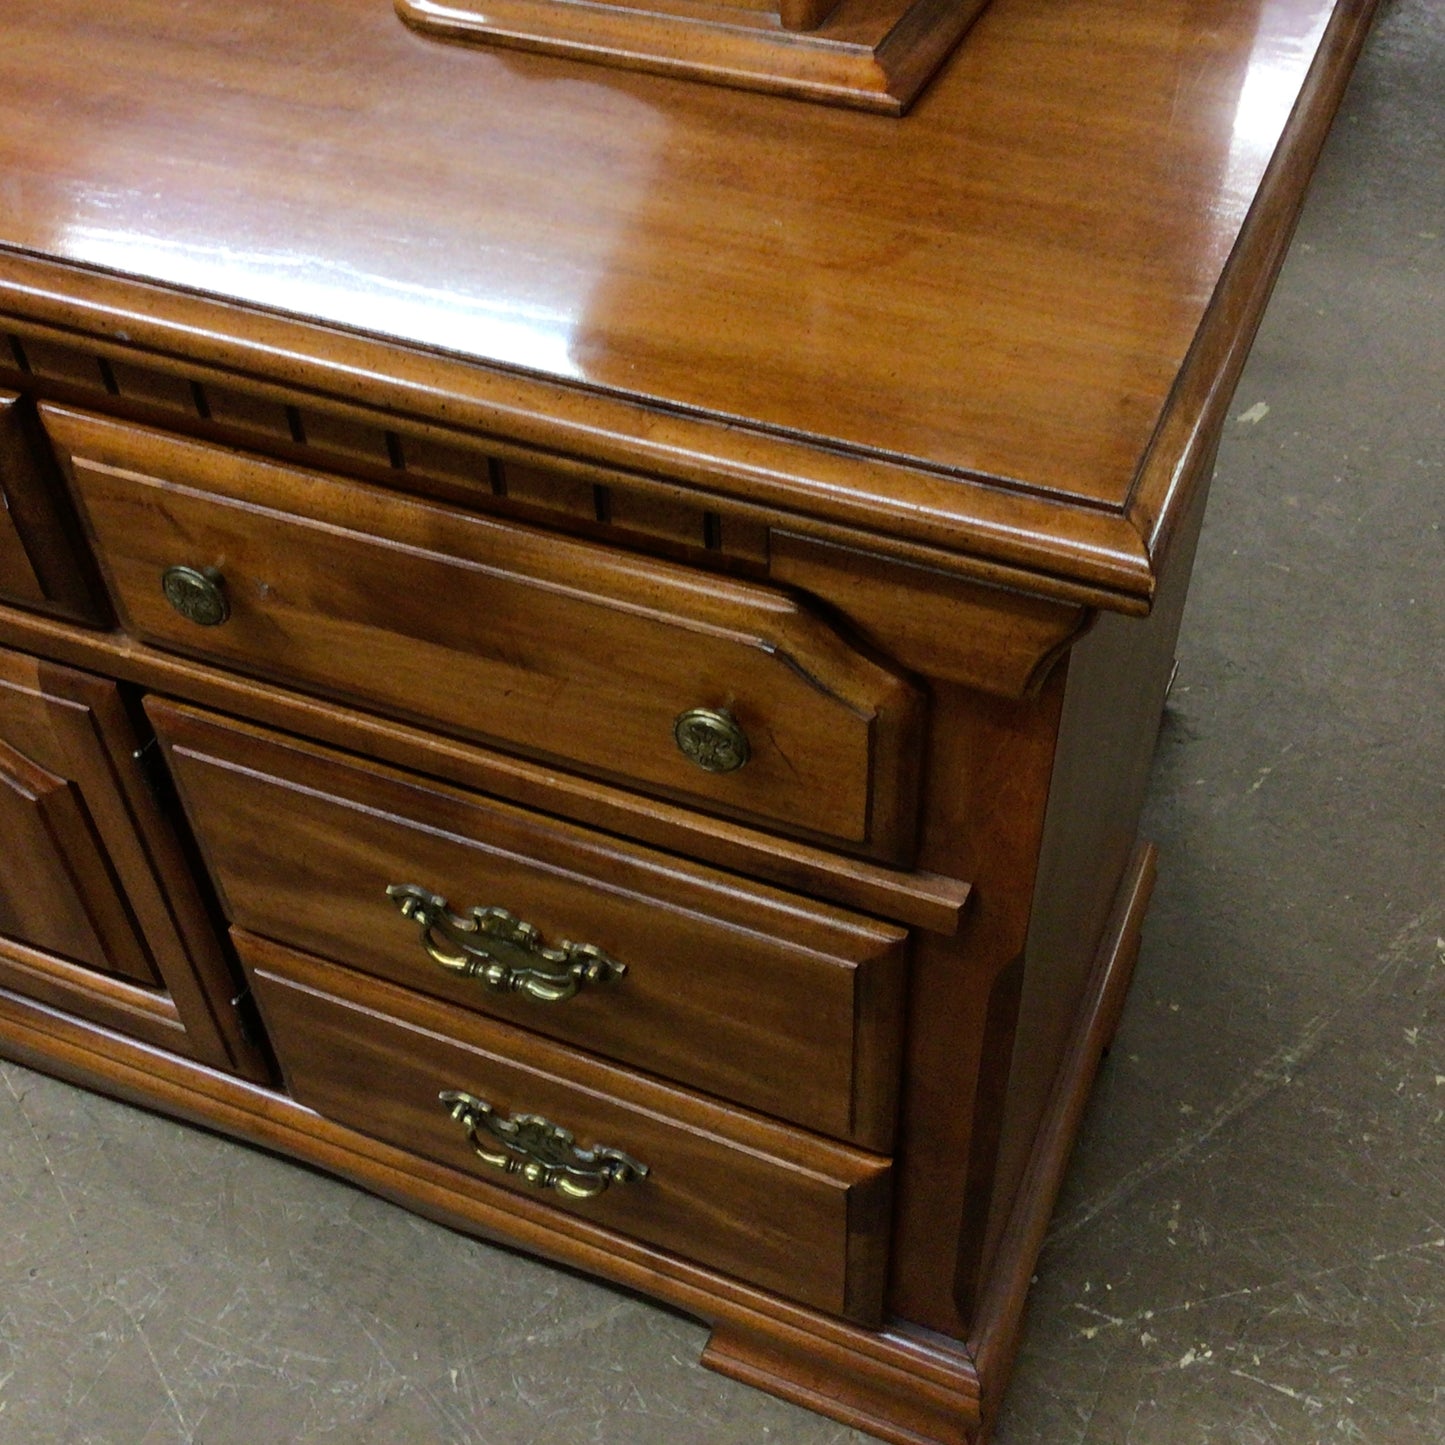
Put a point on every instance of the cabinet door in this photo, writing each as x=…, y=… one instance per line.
x=98, y=914
x=41, y=564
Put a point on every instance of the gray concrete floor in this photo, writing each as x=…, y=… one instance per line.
x=1251, y=1243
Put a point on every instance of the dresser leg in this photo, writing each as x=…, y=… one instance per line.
x=914, y=1387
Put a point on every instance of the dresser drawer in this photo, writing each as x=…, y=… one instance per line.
x=765, y=1203
x=773, y=1001
x=725, y=694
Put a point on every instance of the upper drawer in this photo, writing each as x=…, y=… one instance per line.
x=788, y=1006
x=39, y=563
x=632, y=669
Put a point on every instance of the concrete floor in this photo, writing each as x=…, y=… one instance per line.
x=1251, y=1243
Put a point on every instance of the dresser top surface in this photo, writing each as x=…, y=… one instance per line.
x=1000, y=288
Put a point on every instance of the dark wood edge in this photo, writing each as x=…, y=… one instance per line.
x=1178, y=459
x=989, y=529
x=995, y=1336
x=900, y=1360
x=925, y=900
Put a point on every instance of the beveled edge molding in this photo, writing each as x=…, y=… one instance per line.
x=1178, y=459
x=864, y=54
x=988, y=529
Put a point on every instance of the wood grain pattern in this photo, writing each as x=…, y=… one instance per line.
x=772, y=1206
x=925, y=1374
x=951, y=381
x=988, y=370
x=139, y=1011
x=937, y=625
x=503, y=634
x=303, y=844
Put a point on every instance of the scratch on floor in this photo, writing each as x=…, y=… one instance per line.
x=1277, y=1070
x=1258, y=783
x=1310, y=1400
x=140, y=1330
x=44, y=1154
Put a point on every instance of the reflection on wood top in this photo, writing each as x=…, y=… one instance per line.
x=999, y=289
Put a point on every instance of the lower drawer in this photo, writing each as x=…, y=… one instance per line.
x=770, y=1205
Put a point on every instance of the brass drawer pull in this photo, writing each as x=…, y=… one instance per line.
x=197, y=593
x=500, y=950
x=712, y=739
x=543, y=1153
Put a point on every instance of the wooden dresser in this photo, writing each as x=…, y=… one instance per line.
x=582, y=648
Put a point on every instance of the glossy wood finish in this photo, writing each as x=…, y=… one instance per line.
x=910, y=403
x=98, y=913
x=40, y=565
x=854, y=53
x=501, y=634
x=772, y=1206
x=990, y=368
x=303, y=844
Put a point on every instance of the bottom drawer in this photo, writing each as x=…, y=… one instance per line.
x=771, y=1205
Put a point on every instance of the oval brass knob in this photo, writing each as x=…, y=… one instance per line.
x=197, y=593
x=542, y=1153
x=501, y=950
x=712, y=739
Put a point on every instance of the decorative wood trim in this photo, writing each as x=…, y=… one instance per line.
x=854, y=53
x=988, y=529
x=905, y=1360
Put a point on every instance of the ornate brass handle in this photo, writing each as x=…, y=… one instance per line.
x=500, y=950
x=197, y=593
x=543, y=1153
x=712, y=739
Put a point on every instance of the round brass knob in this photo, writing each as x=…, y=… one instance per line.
x=197, y=594
x=711, y=738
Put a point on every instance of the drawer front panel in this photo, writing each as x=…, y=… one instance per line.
x=784, y=1005
x=775, y=1207
x=495, y=632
